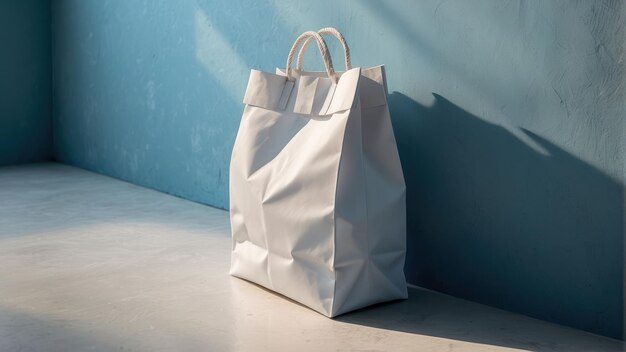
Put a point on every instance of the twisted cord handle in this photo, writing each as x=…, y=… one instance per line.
x=321, y=44
x=325, y=31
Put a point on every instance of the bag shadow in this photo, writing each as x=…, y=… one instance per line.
x=503, y=218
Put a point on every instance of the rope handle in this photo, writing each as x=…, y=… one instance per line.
x=321, y=44
x=325, y=31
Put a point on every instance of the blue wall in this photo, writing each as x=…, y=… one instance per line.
x=25, y=81
x=508, y=114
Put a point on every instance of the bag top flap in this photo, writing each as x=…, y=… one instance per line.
x=372, y=84
x=307, y=95
x=373, y=87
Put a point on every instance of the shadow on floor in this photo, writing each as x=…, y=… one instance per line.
x=54, y=335
x=51, y=333
x=433, y=314
x=43, y=198
x=504, y=217
x=430, y=313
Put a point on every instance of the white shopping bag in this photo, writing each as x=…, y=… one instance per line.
x=317, y=193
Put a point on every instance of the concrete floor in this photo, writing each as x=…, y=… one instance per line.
x=92, y=263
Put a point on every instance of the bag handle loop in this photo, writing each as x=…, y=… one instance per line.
x=325, y=31
x=321, y=44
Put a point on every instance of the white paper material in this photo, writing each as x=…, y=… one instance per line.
x=317, y=192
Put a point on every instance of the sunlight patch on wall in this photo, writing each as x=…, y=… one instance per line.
x=216, y=54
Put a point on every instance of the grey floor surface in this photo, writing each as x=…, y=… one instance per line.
x=90, y=263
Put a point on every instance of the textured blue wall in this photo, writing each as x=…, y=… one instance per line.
x=509, y=117
x=25, y=81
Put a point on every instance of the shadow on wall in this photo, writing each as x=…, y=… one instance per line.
x=505, y=224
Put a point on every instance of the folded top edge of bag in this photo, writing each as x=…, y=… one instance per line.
x=312, y=93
